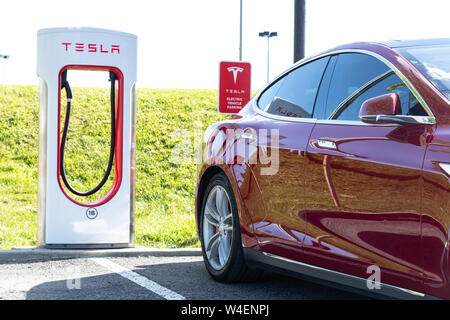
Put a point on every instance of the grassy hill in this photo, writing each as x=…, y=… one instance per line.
x=164, y=189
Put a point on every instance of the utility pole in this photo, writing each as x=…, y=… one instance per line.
x=240, y=32
x=299, y=30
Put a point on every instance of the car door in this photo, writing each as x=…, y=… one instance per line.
x=283, y=125
x=363, y=184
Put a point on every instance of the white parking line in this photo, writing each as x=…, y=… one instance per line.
x=138, y=279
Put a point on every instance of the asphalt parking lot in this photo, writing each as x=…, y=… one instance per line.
x=148, y=275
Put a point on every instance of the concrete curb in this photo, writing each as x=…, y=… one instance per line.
x=27, y=254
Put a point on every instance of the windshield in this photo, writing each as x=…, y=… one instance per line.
x=433, y=62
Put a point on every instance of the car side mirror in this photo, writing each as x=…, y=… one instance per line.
x=385, y=105
x=388, y=110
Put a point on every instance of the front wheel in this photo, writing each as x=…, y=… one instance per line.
x=220, y=234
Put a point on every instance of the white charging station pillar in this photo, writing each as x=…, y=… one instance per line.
x=64, y=221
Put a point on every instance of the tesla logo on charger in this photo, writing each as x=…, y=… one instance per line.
x=234, y=86
x=91, y=47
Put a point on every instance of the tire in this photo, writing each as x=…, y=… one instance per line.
x=220, y=235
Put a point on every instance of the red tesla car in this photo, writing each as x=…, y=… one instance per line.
x=337, y=170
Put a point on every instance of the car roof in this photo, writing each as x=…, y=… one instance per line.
x=378, y=45
x=416, y=43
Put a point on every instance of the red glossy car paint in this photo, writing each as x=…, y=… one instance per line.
x=379, y=197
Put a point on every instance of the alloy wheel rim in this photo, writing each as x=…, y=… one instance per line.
x=217, y=227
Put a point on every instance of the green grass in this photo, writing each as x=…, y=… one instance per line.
x=164, y=189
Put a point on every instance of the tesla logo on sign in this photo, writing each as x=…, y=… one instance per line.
x=235, y=71
x=234, y=86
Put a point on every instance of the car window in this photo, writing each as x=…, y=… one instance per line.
x=266, y=98
x=358, y=77
x=433, y=62
x=352, y=71
x=385, y=83
x=294, y=95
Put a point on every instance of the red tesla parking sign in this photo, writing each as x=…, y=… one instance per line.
x=234, y=86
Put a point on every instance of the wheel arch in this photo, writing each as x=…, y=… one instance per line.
x=248, y=237
x=202, y=184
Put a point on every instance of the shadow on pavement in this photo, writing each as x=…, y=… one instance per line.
x=189, y=279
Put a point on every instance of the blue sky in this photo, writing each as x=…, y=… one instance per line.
x=182, y=42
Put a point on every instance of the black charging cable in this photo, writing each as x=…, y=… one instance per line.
x=65, y=85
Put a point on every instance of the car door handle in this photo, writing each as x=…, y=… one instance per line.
x=445, y=167
x=248, y=135
x=326, y=144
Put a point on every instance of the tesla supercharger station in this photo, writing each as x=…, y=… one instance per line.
x=64, y=220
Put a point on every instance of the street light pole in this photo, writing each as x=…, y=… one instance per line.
x=269, y=35
x=268, y=59
x=4, y=57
